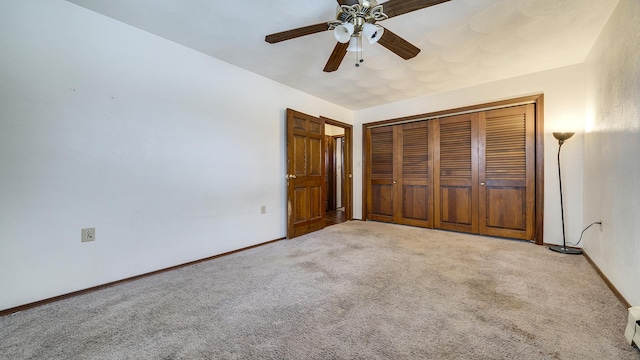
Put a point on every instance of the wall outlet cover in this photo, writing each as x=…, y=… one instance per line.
x=88, y=234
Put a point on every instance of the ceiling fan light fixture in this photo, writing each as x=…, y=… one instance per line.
x=343, y=32
x=372, y=32
x=354, y=44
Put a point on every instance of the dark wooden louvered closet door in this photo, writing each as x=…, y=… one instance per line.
x=456, y=175
x=380, y=197
x=414, y=170
x=473, y=173
x=401, y=188
x=506, y=170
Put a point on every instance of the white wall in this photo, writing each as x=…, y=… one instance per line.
x=332, y=130
x=612, y=151
x=103, y=125
x=563, y=90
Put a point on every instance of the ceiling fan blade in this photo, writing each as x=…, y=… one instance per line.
x=294, y=33
x=398, y=7
x=336, y=57
x=398, y=45
x=347, y=2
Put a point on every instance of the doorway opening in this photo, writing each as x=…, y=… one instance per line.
x=306, y=173
x=335, y=176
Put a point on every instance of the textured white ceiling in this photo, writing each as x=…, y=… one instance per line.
x=463, y=42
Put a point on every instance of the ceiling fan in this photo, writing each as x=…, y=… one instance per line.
x=356, y=19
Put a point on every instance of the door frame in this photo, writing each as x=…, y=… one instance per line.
x=332, y=162
x=537, y=100
x=348, y=164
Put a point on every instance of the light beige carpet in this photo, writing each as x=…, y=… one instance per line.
x=358, y=290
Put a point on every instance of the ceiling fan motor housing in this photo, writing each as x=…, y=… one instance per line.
x=367, y=11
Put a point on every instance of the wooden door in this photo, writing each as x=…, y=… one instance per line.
x=413, y=171
x=456, y=173
x=507, y=172
x=380, y=193
x=329, y=173
x=401, y=165
x=486, y=168
x=305, y=178
x=341, y=175
x=347, y=188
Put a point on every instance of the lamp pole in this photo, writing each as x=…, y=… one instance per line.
x=562, y=137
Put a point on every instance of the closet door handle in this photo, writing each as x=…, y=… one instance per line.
x=481, y=184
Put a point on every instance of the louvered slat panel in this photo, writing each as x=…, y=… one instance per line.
x=381, y=154
x=455, y=150
x=415, y=153
x=505, y=152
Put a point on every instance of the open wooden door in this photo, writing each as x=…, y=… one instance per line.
x=305, y=173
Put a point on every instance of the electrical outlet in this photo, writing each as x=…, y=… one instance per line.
x=263, y=209
x=88, y=234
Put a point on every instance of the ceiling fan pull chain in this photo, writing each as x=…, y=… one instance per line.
x=359, y=55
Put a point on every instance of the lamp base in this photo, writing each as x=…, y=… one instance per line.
x=565, y=250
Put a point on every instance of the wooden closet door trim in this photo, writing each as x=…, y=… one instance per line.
x=482, y=178
x=533, y=99
x=531, y=172
x=539, y=169
x=435, y=127
x=475, y=184
x=398, y=152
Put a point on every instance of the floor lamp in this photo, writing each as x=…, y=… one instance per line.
x=562, y=137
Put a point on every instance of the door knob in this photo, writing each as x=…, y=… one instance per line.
x=290, y=176
x=481, y=184
x=350, y=176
